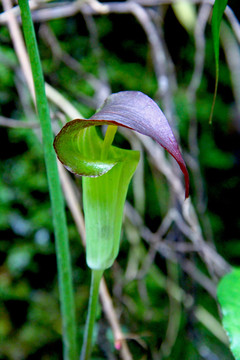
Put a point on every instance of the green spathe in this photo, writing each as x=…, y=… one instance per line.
x=103, y=202
x=108, y=171
x=79, y=149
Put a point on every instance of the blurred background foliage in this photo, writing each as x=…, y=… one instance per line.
x=156, y=299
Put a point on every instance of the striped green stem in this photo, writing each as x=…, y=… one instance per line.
x=92, y=306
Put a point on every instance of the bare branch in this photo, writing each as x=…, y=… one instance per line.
x=187, y=222
x=19, y=45
x=12, y=123
x=232, y=53
x=93, y=7
x=202, y=19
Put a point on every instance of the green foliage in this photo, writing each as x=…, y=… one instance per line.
x=228, y=296
x=218, y=10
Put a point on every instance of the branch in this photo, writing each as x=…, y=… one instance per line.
x=12, y=123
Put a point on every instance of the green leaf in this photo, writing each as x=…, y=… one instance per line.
x=218, y=10
x=229, y=298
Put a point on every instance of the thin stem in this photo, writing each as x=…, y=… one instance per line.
x=92, y=306
x=57, y=202
x=108, y=139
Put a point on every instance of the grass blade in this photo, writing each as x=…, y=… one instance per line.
x=218, y=10
x=57, y=202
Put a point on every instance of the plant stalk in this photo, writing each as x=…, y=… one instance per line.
x=57, y=202
x=92, y=306
x=108, y=139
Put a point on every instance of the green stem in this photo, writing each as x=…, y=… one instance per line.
x=57, y=202
x=92, y=306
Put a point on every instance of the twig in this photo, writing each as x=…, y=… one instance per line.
x=68, y=9
x=159, y=57
x=156, y=46
x=12, y=123
x=69, y=189
x=191, y=226
x=204, y=13
x=49, y=37
x=206, y=318
x=119, y=338
x=174, y=313
x=232, y=53
x=102, y=88
x=19, y=45
x=193, y=159
x=99, y=86
x=200, y=313
x=61, y=102
x=62, y=10
x=165, y=249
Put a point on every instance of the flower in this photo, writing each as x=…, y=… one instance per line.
x=107, y=170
